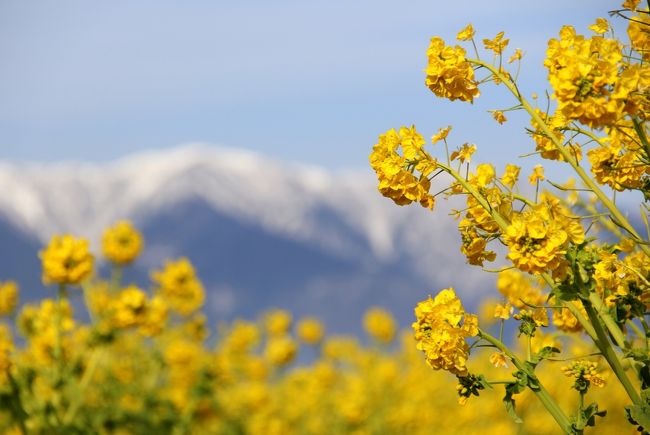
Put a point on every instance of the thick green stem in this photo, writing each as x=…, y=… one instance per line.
x=609, y=322
x=549, y=403
x=605, y=347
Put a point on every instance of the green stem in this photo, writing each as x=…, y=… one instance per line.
x=116, y=278
x=549, y=403
x=500, y=220
x=610, y=355
x=609, y=322
x=83, y=385
x=574, y=310
x=17, y=408
x=58, y=324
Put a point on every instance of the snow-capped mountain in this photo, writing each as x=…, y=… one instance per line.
x=260, y=232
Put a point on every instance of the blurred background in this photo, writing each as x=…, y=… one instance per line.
x=237, y=134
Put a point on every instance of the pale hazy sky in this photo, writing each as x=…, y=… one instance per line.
x=307, y=81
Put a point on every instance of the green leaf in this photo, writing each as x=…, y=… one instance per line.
x=587, y=417
x=640, y=414
x=512, y=389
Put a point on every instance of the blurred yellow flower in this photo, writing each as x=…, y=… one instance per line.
x=122, y=243
x=66, y=260
x=277, y=322
x=8, y=297
x=466, y=34
x=310, y=330
x=379, y=324
x=179, y=286
x=280, y=350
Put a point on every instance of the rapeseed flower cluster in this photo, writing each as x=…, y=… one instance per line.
x=449, y=75
x=574, y=263
x=121, y=243
x=440, y=333
x=398, y=173
x=66, y=260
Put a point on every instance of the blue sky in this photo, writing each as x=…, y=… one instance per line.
x=305, y=81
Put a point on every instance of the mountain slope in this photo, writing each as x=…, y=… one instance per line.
x=260, y=232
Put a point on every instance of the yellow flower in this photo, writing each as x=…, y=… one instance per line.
x=130, y=307
x=484, y=175
x=464, y=154
x=616, y=167
x=503, y=311
x=8, y=297
x=517, y=55
x=537, y=175
x=511, y=175
x=280, y=351
x=498, y=44
x=155, y=318
x=518, y=289
x=440, y=335
x=441, y=135
x=277, y=322
x=449, y=75
x=474, y=246
x=242, y=337
x=499, y=116
x=466, y=34
x=600, y=27
x=66, y=260
x=395, y=172
x=498, y=359
x=565, y=321
x=537, y=244
x=583, y=370
x=380, y=324
x=310, y=330
x=584, y=75
x=121, y=243
x=179, y=286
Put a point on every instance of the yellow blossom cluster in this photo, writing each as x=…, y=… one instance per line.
x=619, y=161
x=449, y=75
x=122, y=243
x=179, y=286
x=310, y=330
x=8, y=297
x=397, y=173
x=545, y=145
x=583, y=370
x=66, y=260
x=584, y=75
x=440, y=334
x=380, y=325
x=536, y=243
x=519, y=289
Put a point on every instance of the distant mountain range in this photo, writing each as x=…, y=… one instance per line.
x=261, y=233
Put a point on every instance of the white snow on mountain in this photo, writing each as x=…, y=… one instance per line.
x=288, y=199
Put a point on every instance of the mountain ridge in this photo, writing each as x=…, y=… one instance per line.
x=315, y=234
